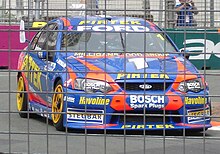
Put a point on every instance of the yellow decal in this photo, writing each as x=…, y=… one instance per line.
x=38, y=24
x=159, y=76
x=148, y=126
x=32, y=71
x=199, y=113
x=139, y=75
x=103, y=22
x=198, y=100
x=160, y=36
x=94, y=101
x=129, y=75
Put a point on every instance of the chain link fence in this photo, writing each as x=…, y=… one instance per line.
x=162, y=12
x=35, y=133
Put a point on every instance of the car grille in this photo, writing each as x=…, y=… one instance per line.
x=153, y=117
x=136, y=86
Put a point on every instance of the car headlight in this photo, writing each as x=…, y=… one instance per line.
x=92, y=86
x=194, y=85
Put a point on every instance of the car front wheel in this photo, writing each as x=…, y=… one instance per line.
x=57, y=107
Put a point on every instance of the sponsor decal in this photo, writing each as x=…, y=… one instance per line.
x=145, y=86
x=148, y=126
x=197, y=100
x=146, y=101
x=40, y=111
x=141, y=75
x=49, y=99
x=140, y=63
x=103, y=22
x=61, y=63
x=80, y=54
x=80, y=116
x=32, y=71
x=198, y=115
x=94, y=101
x=50, y=66
x=69, y=99
x=116, y=28
x=67, y=83
x=202, y=46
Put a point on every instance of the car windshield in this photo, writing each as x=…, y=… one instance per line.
x=116, y=42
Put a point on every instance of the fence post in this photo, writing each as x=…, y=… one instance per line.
x=212, y=13
x=170, y=13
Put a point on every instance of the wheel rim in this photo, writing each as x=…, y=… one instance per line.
x=20, y=93
x=57, y=104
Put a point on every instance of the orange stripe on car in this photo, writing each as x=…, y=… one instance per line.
x=185, y=75
x=72, y=75
x=101, y=126
x=175, y=101
x=191, y=125
x=66, y=21
x=27, y=87
x=99, y=74
x=33, y=96
x=215, y=123
x=119, y=102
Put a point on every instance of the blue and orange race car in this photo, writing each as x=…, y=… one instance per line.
x=113, y=73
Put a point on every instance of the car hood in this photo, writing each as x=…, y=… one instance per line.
x=122, y=67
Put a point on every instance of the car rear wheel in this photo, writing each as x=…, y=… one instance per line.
x=21, y=97
x=57, y=107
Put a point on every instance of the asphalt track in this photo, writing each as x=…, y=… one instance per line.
x=38, y=136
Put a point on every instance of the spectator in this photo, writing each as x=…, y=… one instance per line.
x=185, y=10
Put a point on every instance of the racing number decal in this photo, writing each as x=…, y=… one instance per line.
x=140, y=63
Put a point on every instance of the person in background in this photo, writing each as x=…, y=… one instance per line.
x=185, y=10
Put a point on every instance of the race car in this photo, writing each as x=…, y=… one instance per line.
x=110, y=73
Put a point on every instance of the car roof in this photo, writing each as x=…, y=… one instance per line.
x=107, y=21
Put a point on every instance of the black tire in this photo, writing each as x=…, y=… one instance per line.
x=21, y=97
x=57, y=107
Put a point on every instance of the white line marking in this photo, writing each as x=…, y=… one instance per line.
x=215, y=128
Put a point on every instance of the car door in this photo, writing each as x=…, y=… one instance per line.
x=42, y=49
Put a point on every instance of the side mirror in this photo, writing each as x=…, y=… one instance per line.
x=42, y=54
x=185, y=53
x=22, y=32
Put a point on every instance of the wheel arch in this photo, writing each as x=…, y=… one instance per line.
x=18, y=75
x=56, y=81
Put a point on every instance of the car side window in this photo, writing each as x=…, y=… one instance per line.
x=52, y=40
x=34, y=41
x=40, y=40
